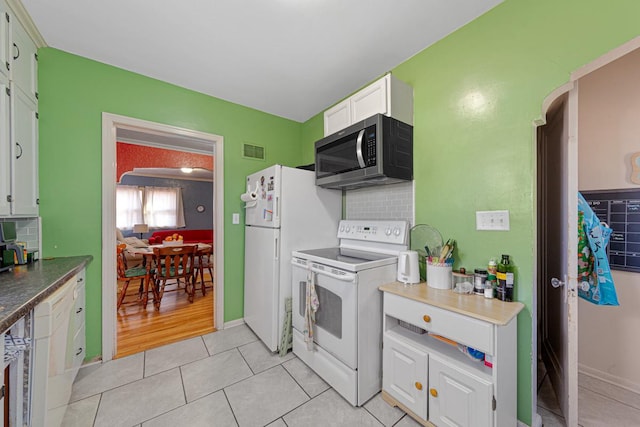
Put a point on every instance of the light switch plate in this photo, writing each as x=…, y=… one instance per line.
x=492, y=220
x=236, y=218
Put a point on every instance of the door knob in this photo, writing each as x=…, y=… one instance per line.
x=557, y=283
x=418, y=385
x=434, y=392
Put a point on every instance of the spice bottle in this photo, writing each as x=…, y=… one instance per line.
x=479, y=277
x=488, y=288
x=492, y=268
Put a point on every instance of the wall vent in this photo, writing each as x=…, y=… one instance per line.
x=253, y=151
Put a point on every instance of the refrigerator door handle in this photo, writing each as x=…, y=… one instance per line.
x=276, y=208
x=277, y=247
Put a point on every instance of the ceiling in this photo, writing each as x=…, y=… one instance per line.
x=290, y=58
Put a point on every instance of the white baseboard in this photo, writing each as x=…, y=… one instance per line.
x=536, y=422
x=608, y=378
x=233, y=323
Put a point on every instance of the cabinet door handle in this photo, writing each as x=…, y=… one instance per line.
x=17, y=55
x=426, y=318
x=79, y=351
x=79, y=310
x=20, y=147
x=418, y=385
x=434, y=392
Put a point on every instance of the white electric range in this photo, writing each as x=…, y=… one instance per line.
x=347, y=334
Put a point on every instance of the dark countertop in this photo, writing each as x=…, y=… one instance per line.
x=27, y=285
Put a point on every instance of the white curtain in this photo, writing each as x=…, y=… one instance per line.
x=163, y=207
x=129, y=206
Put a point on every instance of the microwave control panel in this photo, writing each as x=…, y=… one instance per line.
x=370, y=156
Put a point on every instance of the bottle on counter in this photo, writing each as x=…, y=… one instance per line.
x=492, y=268
x=505, y=279
x=479, y=277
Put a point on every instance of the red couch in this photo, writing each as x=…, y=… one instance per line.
x=190, y=236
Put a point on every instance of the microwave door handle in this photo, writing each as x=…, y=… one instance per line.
x=359, y=149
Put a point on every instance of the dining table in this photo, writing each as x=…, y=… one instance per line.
x=148, y=261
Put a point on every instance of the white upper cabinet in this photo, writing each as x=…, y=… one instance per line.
x=18, y=118
x=24, y=154
x=5, y=144
x=23, y=61
x=388, y=96
x=4, y=40
x=337, y=117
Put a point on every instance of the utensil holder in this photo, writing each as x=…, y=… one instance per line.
x=439, y=276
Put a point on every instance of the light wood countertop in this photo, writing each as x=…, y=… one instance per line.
x=490, y=310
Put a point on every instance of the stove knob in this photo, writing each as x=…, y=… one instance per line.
x=396, y=231
x=387, y=232
x=348, y=229
x=342, y=228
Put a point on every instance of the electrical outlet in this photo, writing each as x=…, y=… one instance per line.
x=492, y=220
x=235, y=218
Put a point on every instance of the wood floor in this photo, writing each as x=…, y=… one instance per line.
x=141, y=329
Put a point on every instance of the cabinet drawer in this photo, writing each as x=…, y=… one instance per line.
x=462, y=329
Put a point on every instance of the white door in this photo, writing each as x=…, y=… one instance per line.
x=404, y=374
x=265, y=210
x=261, y=283
x=557, y=251
x=458, y=398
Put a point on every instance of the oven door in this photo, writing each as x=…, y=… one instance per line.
x=335, y=327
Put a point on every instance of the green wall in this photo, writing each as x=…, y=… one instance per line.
x=74, y=92
x=476, y=96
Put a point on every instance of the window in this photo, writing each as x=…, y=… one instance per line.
x=159, y=207
x=128, y=206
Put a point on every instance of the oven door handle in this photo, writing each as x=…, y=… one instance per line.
x=343, y=276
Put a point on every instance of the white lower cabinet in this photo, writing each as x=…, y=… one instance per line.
x=405, y=369
x=458, y=397
x=426, y=375
x=59, y=333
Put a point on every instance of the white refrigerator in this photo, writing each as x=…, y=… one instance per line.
x=284, y=211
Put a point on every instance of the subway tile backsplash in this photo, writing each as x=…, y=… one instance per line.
x=394, y=201
x=26, y=231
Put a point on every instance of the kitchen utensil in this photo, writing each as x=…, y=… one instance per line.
x=427, y=241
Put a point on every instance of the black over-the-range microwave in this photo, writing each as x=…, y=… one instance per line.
x=377, y=150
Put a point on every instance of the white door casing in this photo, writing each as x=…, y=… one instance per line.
x=110, y=124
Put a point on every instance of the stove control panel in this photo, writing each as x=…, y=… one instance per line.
x=383, y=231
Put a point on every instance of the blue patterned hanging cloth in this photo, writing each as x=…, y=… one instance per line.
x=595, y=283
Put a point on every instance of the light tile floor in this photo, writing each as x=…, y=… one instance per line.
x=226, y=378
x=599, y=403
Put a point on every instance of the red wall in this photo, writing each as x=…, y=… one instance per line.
x=131, y=155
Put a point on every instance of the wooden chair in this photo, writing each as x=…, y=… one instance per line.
x=174, y=263
x=204, y=260
x=128, y=274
